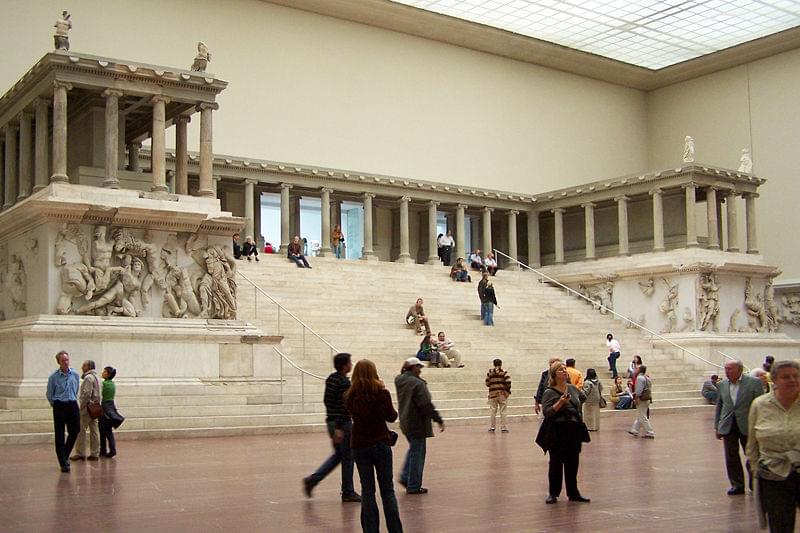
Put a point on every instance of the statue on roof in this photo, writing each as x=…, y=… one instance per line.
x=62, y=26
x=688, y=149
x=746, y=161
x=202, y=59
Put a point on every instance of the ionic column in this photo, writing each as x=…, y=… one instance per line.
x=559, y=234
x=41, y=161
x=11, y=166
x=622, y=224
x=460, y=231
x=658, y=220
x=588, y=212
x=367, y=252
x=750, y=220
x=325, y=205
x=433, y=258
x=249, y=211
x=285, y=207
x=733, y=223
x=486, y=230
x=512, y=240
x=25, y=154
x=405, y=254
x=60, y=131
x=534, y=241
x=182, y=156
x=711, y=215
x=206, y=153
x=159, y=147
x=133, y=156
x=691, y=228
x=112, y=138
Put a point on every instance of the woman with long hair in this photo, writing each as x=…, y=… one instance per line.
x=370, y=405
x=593, y=390
x=427, y=351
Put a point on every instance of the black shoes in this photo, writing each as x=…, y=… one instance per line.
x=735, y=491
x=403, y=483
x=354, y=498
x=421, y=490
x=551, y=499
x=65, y=467
x=308, y=486
x=580, y=499
x=108, y=455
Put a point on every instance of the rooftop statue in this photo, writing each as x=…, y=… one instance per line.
x=688, y=149
x=746, y=161
x=202, y=59
x=62, y=26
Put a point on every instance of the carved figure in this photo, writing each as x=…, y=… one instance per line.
x=732, y=327
x=76, y=280
x=771, y=308
x=32, y=246
x=688, y=149
x=601, y=294
x=62, y=26
x=746, y=161
x=202, y=59
x=647, y=287
x=669, y=306
x=640, y=321
x=756, y=312
x=119, y=298
x=17, y=281
x=126, y=244
x=688, y=320
x=708, y=302
x=100, y=267
x=791, y=308
x=217, y=288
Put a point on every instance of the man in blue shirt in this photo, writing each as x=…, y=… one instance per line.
x=62, y=393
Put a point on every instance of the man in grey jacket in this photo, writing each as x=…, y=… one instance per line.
x=416, y=412
x=730, y=419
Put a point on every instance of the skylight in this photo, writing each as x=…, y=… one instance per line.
x=649, y=33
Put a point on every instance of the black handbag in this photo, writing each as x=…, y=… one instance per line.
x=393, y=437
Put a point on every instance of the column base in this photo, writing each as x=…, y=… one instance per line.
x=512, y=266
x=159, y=188
x=433, y=260
x=111, y=184
x=37, y=188
x=714, y=247
x=7, y=205
x=206, y=192
x=405, y=259
x=753, y=251
x=283, y=249
x=692, y=244
x=734, y=250
x=325, y=252
x=23, y=196
x=658, y=249
x=63, y=178
x=370, y=256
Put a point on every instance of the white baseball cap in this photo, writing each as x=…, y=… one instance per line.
x=413, y=361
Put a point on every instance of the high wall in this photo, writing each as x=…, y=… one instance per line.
x=754, y=105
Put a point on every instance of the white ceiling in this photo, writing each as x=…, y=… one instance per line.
x=649, y=33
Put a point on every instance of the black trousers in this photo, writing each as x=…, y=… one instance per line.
x=446, y=252
x=780, y=500
x=107, y=436
x=733, y=463
x=65, y=415
x=564, y=460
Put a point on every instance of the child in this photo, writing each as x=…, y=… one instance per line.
x=111, y=419
x=499, y=383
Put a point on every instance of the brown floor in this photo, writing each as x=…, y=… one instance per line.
x=478, y=482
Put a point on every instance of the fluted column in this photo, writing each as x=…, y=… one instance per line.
x=325, y=206
x=622, y=224
x=11, y=166
x=159, y=147
x=588, y=212
x=658, y=220
x=559, y=234
x=750, y=220
x=405, y=253
x=691, y=222
x=711, y=216
x=512, y=240
x=25, y=154
x=42, y=161
x=206, y=153
x=460, y=231
x=486, y=230
x=731, y=211
x=60, y=131
x=249, y=211
x=367, y=252
x=534, y=242
x=285, y=207
x=433, y=257
x=111, y=180
x=182, y=155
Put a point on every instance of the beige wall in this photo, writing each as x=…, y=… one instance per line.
x=718, y=111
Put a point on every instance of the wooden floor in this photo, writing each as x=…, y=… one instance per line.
x=479, y=482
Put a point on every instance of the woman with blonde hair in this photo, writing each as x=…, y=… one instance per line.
x=370, y=405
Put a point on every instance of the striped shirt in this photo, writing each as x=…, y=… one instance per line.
x=335, y=387
x=498, y=382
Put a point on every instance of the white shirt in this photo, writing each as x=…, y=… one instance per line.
x=734, y=388
x=613, y=345
x=444, y=240
x=490, y=262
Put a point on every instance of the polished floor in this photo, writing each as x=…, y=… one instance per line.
x=479, y=482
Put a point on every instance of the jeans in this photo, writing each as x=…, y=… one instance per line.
x=780, y=500
x=107, y=436
x=341, y=454
x=337, y=250
x=299, y=260
x=65, y=415
x=612, y=364
x=376, y=461
x=411, y=475
x=488, y=314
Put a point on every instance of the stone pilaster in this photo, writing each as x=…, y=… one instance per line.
x=460, y=231
x=12, y=169
x=111, y=180
x=206, y=147
x=711, y=216
x=60, y=131
x=285, y=207
x=433, y=257
x=486, y=230
x=558, y=213
x=25, y=154
x=750, y=220
x=622, y=223
x=42, y=160
x=367, y=253
x=534, y=241
x=325, y=230
x=512, y=240
x=658, y=220
x=215, y=185
x=181, y=155
x=691, y=227
x=588, y=212
x=249, y=211
x=731, y=212
x=159, y=147
x=405, y=254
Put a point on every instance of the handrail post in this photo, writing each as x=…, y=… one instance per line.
x=279, y=321
x=255, y=301
x=303, y=391
x=280, y=359
x=304, y=342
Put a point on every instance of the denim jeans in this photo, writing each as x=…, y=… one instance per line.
x=337, y=250
x=483, y=311
x=376, y=461
x=612, y=363
x=414, y=464
x=341, y=454
x=488, y=314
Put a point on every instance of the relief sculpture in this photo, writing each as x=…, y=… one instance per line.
x=668, y=307
x=756, y=311
x=791, y=308
x=707, y=302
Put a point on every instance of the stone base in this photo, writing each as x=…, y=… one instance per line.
x=405, y=259
x=370, y=257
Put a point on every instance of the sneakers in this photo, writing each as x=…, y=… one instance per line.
x=632, y=433
x=491, y=430
x=308, y=486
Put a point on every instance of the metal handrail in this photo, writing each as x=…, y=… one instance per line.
x=303, y=374
x=601, y=306
x=726, y=356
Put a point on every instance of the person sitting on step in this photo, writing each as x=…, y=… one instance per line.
x=459, y=271
x=448, y=355
x=416, y=318
x=427, y=351
x=295, y=253
x=237, y=247
x=490, y=264
x=475, y=260
x=249, y=250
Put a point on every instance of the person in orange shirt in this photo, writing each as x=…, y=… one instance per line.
x=575, y=376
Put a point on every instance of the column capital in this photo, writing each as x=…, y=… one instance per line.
x=286, y=186
x=57, y=84
x=691, y=184
x=753, y=195
x=462, y=206
x=621, y=199
x=25, y=114
x=588, y=204
x=404, y=199
x=183, y=119
x=513, y=212
x=368, y=195
x=111, y=92
x=160, y=98
x=251, y=181
x=434, y=203
x=656, y=191
x=216, y=178
x=213, y=106
x=326, y=189
x=725, y=193
x=559, y=210
x=488, y=209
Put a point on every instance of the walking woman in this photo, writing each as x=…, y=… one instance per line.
x=370, y=405
x=593, y=390
x=773, y=448
x=562, y=433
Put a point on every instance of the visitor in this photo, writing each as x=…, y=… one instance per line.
x=237, y=247
x=427, y=351
x=772, y=448
x=475, y=260
x=642, y=396
x=490, y=264
x=448, y=354
x=575, y=375
x=339, y=426
x=249, y=250
x=370, y=405
x=416, y=413
x=543, y=381
x=593, y=389
x=268, y=248
x=481, y=288
x=337, y=241
x=111, y=419
x=633, y=368
x=459, y=271
x=709, y=390
x=621, y=395
x=446, y=245
x=736, y=394
x=295, y=253
x=761, y=375
x=613, y=354
x=89, y=392
x=305, y=247
x=439, y=247
x=499, y=383
x=416, y=318
x=62, y=394
x=489, y=303
x=562, y=434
